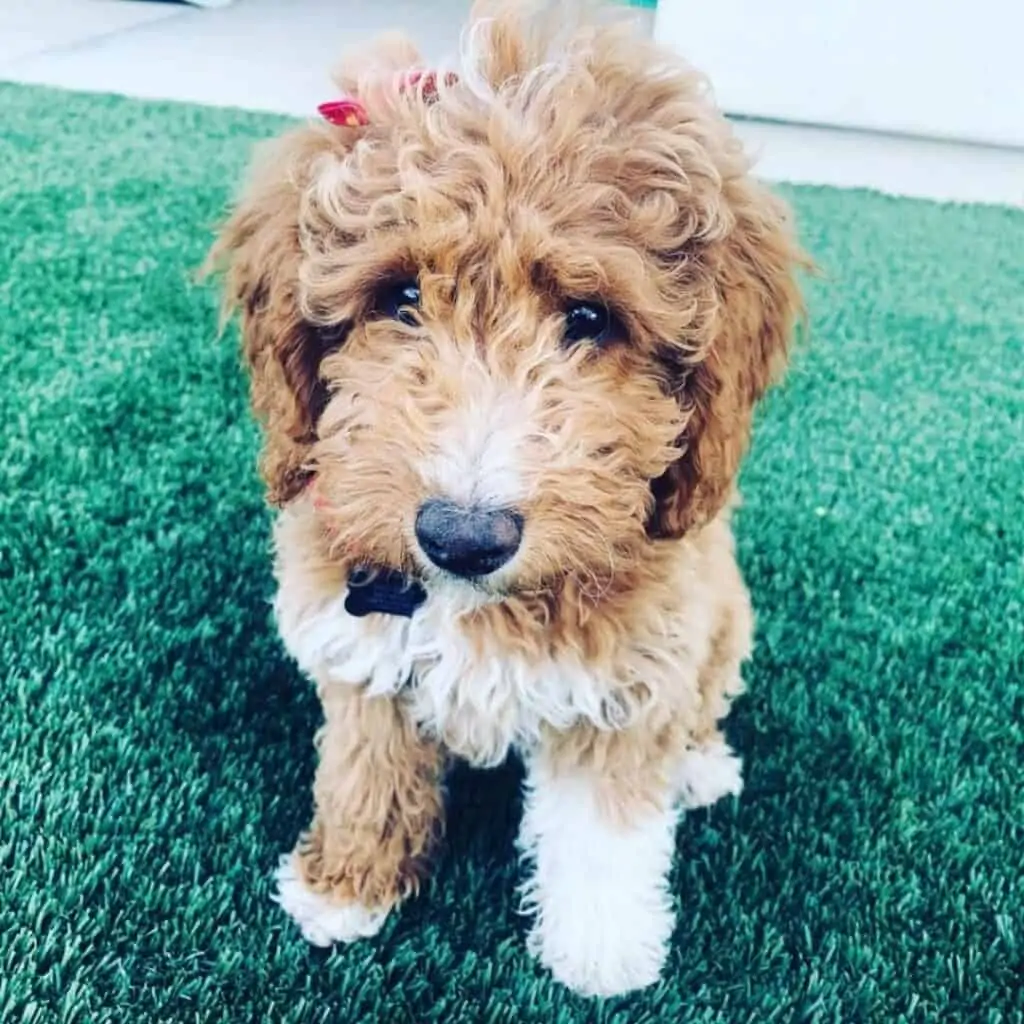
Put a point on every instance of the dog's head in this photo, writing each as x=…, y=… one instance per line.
x=516, y=328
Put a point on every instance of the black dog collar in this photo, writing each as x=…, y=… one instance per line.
x=385, y=591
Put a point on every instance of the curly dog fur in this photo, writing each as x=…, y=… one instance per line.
x=570, y=160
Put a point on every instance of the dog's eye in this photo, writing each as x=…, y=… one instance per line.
x=589, y=321
x=400, y=301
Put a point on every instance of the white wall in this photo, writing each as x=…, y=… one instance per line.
x=943, y=68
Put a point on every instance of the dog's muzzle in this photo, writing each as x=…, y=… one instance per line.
x=468, y=541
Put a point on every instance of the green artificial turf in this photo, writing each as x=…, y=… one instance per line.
x=156, y=745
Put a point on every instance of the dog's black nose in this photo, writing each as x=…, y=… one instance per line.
x=467, y=541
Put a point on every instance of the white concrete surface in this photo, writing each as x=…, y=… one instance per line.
x=41, y=26
x=273, y=55
x=276, y=55
x=926, y=168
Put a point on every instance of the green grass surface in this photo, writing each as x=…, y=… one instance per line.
x=155, y=745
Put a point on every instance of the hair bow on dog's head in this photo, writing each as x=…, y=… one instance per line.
x=427, y=81
x=348, y=112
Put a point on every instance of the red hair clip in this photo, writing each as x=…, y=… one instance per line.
x=429, y=82
x=348, y=113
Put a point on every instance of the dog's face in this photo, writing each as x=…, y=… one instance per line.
x=516, y=331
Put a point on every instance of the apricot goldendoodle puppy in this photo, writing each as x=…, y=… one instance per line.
x=507, y=323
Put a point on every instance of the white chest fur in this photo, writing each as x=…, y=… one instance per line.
x=479, y=702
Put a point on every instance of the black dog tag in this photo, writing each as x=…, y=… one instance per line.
x=383, y=590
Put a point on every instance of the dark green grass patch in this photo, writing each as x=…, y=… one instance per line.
x=155, y=747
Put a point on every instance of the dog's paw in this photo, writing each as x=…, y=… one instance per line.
x=603, y=916
x=323, y=922
x=707, y=774
x=601, y=958
x=597, y=886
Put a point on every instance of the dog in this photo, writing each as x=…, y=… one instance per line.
x=507, y=324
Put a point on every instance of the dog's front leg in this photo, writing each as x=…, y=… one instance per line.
x=599, y=847
x=378, y=814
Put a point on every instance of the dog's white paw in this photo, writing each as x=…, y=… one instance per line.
x=323, y=922
x=619, y=951
x=707, y=774
x=598, y=886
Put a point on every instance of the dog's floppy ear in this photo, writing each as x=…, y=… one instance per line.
x=756, y=301
x=259, y=251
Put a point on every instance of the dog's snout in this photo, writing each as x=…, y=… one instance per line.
x=468, y=541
